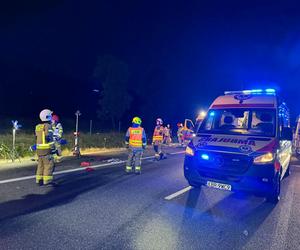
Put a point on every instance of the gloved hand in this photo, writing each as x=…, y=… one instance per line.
x=63, y=142
x=32, y=148
x=144, y=146
x=126, y=145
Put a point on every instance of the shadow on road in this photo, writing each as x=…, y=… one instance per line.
x=70, y=186
x=233, y=218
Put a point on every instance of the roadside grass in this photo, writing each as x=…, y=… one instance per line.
x=86, y=142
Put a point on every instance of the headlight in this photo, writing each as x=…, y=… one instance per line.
x=266, y=158
x=189, y=151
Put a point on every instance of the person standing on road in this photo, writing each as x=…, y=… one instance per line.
x=157, y=139
x=167, y=135
x=57, y=135
x=44, y=148
x=136, y=141
x=180, y=134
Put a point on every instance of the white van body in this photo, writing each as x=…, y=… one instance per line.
x=244, y=143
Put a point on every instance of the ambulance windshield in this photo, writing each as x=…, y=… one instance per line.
x=257, y=122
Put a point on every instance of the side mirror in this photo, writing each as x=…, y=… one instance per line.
x=286, y=134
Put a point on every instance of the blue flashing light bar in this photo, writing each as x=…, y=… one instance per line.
x=252, y=92
x=256, y=90
x=212, y=113
x=270, y=91
x=205, y=157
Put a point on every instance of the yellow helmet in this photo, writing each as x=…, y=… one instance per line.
x=137, y=120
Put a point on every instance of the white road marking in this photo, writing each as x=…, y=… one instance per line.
x=73, y=170
x=148, y=157
x=177, y=153
x=297, y=166
x=180, y=192
x=17, y=179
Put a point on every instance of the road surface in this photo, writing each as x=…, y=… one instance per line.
x=107, y=209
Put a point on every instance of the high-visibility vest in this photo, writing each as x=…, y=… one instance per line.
x=136, y=137
x=167, y=132
x=41, y=131
x=158, y=134
x=57, y=130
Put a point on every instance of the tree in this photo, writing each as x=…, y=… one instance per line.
x=112, y=74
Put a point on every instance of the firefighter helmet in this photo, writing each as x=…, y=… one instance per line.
x=46, y=115
x=137, y=120
x=159, y=121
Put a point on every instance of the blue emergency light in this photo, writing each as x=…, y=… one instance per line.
x=252, y=92
x=205, y=157
x=270, y=91
x=256, y=91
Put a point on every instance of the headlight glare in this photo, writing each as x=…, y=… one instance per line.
x=265, y=158
x=189, y=151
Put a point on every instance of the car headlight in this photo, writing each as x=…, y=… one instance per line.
x=265, y=158
x=189, y=151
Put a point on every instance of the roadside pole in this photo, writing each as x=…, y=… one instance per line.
x=16, y=127
x=91, y=126
x=76, y=151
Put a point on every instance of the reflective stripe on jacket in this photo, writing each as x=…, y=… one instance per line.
x=158, y=134
x=136, y=137
x=57, y=131
x=43, y=132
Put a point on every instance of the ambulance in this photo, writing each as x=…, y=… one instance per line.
x=243, y=144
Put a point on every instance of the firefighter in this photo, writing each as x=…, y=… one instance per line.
x=157, y=139
x=180, y=134
x=167, y=135
x=57, y=135
x=136, y=141
x=44, y=148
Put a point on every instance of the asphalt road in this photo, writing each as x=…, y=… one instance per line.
x=107, y=209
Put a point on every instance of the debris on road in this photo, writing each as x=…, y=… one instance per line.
x=85, y=164
x=89, y=169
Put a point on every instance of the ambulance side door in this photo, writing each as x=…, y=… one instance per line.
x=285, y=145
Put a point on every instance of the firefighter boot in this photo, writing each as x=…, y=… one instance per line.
x=128, y=169
x=162, y=156
x=138, y=170
x=157, y=157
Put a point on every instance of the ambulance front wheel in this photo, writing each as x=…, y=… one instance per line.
x=288, y=172
x=274, y=196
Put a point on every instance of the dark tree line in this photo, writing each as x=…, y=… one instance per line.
x=121, y=97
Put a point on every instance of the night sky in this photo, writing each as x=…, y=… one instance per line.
x=192, y=50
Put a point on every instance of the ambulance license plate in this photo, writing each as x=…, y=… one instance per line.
x=218, y=185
